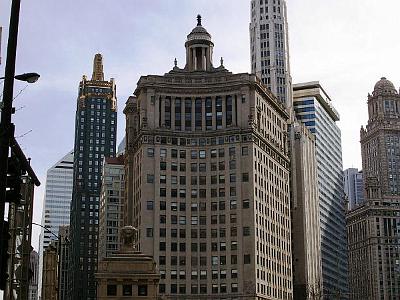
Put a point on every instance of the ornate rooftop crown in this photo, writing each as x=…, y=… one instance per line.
x=384, y=86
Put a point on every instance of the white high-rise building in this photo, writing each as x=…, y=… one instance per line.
x=269, y=47
x=313, y=107
x=353, y=187
x=57, y=201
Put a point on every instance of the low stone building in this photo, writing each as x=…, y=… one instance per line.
x=127, y=273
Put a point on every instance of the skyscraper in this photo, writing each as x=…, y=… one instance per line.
x=207, y=171
x=95, y=138
x=269, y=47
x=111, y=206
x=314, y=109
x=353, y=187
x=57, y=198
x=374, y=227
x=57, y=203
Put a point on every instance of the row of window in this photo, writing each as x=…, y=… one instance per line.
x=195, y=180
x=202, y=261
x=201, y=167
x=198, y=289
x=202, y=206
x=194, y=154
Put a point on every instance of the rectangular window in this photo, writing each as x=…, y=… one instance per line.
x=111, y=290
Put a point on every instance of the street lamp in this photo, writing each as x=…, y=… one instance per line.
x=28, y=77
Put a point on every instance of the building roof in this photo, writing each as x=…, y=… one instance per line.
x=384, y=86
x=115, y=160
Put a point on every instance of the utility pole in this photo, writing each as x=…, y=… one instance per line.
x=6, y=127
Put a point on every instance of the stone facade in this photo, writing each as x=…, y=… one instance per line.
x=207, y=171
x=306, y=235
x=373, y=228
x=127, y=274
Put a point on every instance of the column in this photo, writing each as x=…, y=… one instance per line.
x=223, y=111
x=214, y=113
x=172, y=113
x=203, y=58
x=234, y=103
x=203, y=114
x=161, y=110
x=193, y=114
x=182, y=113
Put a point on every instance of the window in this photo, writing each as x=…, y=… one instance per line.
x=163, y=192
x=234, y=287
x=150, y=152
x=126, y=290
x=232, y=177
x=246, y=203
x=213, y=153
x=182, y=154
x=246, y=259
x=234, y=245
x=234, y=259
x=111, y=290
x=150, y=205
x=246, y=231
x=174, y=153
x=202, y=167
x=163, y=153
x=149, y=232
x=234, y=273
x=162, y=260
x=245, y=177
x=193, y=154
x=174, y=287
x=221, y=152
x=163, y=179
x=233, y=204
x=163, y=166
x=150, y=178
x=142, y=290
x=202, y=154
x=245, y=151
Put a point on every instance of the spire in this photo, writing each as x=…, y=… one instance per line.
x=199, y=20
x=98, y=68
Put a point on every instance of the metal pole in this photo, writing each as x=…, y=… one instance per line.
x=6, y=112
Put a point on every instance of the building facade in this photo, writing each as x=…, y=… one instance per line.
x=50, y=272
x=353, y=187
x=95, y=138
x=207, y=172
x=313, y=107
x=63, y=262
x=269, y=47
x=306, y=235
x=111, y=206
x=373, y=228
x=33, y=283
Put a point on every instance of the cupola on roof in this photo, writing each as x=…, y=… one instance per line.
x=384, y=86
x=199, y=32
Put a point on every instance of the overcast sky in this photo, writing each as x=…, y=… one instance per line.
x=345, y=44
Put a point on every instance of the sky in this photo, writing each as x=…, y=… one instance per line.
x=346, y=45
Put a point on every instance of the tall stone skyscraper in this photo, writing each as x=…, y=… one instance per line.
x=269, y=47
x=207, y=171
x=95, y=138
x=374, y=227
x=313, y=107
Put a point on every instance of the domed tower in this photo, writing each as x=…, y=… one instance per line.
x=380, y=140
x=384, y=101
x=199, y=49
